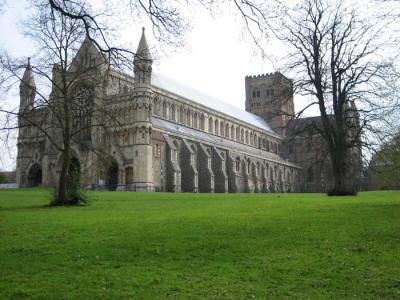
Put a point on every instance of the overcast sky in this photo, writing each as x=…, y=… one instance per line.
x=216, y=57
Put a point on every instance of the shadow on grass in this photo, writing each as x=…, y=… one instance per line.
x=40, y=206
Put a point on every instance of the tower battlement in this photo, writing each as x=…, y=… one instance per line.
x=266, y=75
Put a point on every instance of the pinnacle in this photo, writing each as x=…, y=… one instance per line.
x=27, y=78
x=143, y=51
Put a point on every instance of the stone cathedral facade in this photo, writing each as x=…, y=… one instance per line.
x=165, y=137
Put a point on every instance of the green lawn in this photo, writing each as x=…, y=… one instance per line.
x=200, y=246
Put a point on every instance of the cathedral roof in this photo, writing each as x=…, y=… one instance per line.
x=208, y=101
x=214, y=140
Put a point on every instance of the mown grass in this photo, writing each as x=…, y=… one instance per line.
x=200, y=246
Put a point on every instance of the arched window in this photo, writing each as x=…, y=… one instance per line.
x=182, y=115
x=242, y=135
x=221, y=128
x=165, y=110
x=128, y=175
x=195, y=121
x=210, y=125
x=237, y=164
x=188, y=117
x=247, y=137
x=251, y=139
x=173, y=113
x=237, y=134
x=176, y=152
x=227, y=130
x=216, y=126
x=202, y=122
x=256, y=93
x=178, y=114
x=248, y=166
x=232, y=132
x=83, y=101
x=156, y=106
x=258, y=169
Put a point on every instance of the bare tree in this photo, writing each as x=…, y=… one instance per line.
x=337, y=57
x=59, y=103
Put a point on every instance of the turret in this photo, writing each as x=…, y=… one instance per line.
x=143, y=62
x=142, y=103
x=27, y=89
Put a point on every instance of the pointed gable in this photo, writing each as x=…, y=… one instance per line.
x=87, y=56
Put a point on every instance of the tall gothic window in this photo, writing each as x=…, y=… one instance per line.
x=256, y=93
x=165, y=110
x=188, y=117
x=195, y=120
x=83, y=102
x=172, y=114
x=202, y=122
x=237, y=164
x=210, y=125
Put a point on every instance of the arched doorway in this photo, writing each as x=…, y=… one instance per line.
x=128, y=176
x=35, y=175
x=112, y=176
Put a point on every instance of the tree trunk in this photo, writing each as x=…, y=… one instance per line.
x=61, y=195
x=342, y=185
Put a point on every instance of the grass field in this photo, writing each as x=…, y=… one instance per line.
x=200, y=246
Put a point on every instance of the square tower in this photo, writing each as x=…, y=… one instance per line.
x=270, y=96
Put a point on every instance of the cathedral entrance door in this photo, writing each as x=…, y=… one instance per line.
x=112, y=176
x=35, y=175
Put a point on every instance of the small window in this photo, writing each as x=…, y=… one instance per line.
x=256, y=93
x=157, y=150
x=237, y=164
